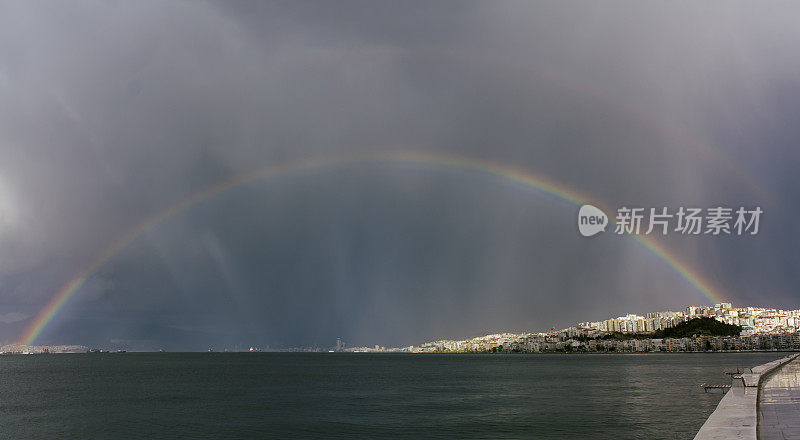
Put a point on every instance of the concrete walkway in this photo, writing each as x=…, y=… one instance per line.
x=779, y=404
x=737, y=416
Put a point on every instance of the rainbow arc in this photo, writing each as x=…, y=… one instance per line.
x=508, y=172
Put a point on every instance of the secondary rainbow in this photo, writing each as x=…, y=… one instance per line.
x=505, y=171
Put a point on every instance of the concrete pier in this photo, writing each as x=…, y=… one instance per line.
x=737, y=415
x=779, y=404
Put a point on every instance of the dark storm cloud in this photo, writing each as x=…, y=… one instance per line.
x=110, y=112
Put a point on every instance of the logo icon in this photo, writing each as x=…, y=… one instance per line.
x=591, y=220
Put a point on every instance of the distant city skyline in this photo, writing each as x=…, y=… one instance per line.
x=756, y=322
x=759, y=325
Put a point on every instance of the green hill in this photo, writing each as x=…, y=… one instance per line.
x=699, y=327
x=688, y=329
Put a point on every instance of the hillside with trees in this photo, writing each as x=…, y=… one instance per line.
x=699, y=327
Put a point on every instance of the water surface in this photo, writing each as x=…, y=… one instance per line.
x=323, y=395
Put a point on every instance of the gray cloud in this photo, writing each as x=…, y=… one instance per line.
x=111, y=112
x=12, y=317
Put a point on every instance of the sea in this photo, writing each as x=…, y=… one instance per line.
x=352, y=395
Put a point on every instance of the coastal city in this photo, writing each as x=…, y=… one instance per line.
x=761, y=329
x=748, y=329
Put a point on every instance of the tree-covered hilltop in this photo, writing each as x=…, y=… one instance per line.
x=694, y=327
x=699, y=327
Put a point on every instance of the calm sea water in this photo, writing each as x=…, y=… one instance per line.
x=322, y=395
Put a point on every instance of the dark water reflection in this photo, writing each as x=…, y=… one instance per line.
x=277, y=395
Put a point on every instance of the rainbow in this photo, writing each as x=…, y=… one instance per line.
x=505, y=171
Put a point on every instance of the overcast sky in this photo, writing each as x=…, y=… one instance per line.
x=113, y=111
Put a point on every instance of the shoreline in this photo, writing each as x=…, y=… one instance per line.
x=594, y=353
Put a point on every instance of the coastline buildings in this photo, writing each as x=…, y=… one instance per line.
x=41, y=349
x=753, y=320
x=762, y=329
